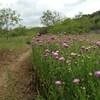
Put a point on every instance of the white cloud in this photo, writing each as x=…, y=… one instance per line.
x=56, y=4
x=7, y=1
x=87, y=7
x=31, y=10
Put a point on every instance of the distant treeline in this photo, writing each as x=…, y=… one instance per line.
x=78, y=25
x=20, y=31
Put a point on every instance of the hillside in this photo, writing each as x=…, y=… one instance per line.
x=79, y=24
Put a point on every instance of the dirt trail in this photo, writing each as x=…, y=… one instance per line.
x=15, y=79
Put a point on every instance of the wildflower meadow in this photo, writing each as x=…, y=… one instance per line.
x=67, y=67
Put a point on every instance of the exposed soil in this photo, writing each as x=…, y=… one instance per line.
x=16, y=79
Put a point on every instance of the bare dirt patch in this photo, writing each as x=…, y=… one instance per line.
x=16, y=79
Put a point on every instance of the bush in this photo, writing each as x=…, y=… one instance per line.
x=77, y=25
x=19, y=31
x=43, y=30
x=2, y=32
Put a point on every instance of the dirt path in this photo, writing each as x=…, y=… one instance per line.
x=15, y=79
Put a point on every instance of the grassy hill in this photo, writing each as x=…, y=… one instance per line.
x=78, y=25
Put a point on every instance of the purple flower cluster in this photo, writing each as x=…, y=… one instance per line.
x=97, y=73
x=98, y=43
x=76, y=81
x=65, y=45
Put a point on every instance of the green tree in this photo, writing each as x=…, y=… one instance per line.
x=50, y=18
x=8, y=19
x=79, y=15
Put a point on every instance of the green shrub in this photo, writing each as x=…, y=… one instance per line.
x=19, y=31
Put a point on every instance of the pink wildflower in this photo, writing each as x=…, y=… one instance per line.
x=98, y=43
x=65, y=45
x=58, y=82
x=76, y=81
x=62, y=59
x=55, y=54
x=47, y=51
x=97, y=73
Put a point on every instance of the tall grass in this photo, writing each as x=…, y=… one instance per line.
x=15, y=44
x=67, y=68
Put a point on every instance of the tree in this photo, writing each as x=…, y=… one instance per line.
x=79, y=15
x=8, y=18
x=50, y=18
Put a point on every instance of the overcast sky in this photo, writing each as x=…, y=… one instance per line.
x=31, y=10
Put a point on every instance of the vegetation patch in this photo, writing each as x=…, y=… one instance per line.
x=67, y=67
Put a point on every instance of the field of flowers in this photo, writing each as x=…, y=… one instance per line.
x=67, y=67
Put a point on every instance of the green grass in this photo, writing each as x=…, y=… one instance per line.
x=81, y=66
x=13, y=47
x=15, y=44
